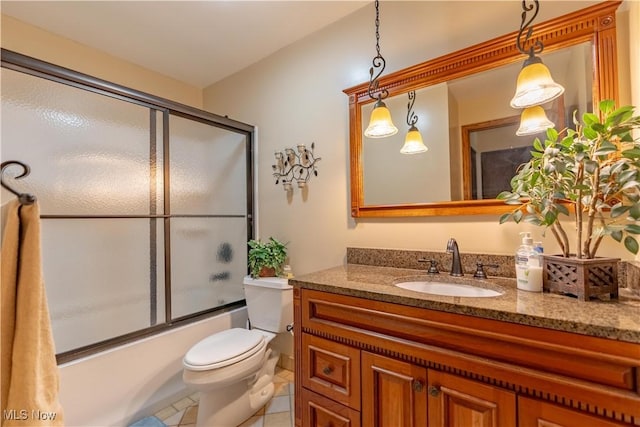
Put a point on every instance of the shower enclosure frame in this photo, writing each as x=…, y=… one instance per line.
x=35, y=67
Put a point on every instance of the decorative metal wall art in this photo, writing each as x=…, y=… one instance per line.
x=295, y=165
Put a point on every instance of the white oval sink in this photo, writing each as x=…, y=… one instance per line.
x=448, y=289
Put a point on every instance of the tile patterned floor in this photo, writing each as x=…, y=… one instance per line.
x=278, y=412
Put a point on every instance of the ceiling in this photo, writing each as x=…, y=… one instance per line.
x=196, y=42
x=202, y=42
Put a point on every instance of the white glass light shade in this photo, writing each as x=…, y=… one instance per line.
x=535, y=86
x=380, y=124
x=533, y=120
x=413, y=142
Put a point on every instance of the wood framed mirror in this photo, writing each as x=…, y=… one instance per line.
x=589, y=33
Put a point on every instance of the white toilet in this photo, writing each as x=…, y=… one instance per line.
x=233, y=370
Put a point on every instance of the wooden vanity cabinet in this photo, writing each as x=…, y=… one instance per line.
x=376, y=364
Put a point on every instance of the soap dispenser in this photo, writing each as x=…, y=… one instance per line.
x=528, y=265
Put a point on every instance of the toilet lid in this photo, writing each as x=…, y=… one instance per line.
x=224, y=348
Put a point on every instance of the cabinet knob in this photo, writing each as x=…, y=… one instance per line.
x=434, y=391
x=327, y=370
x=417, y=386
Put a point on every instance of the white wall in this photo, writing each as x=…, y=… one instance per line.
x=295, y=96
x=117, y=387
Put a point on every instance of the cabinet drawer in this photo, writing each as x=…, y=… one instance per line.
x=331, y=369
x=319, y=411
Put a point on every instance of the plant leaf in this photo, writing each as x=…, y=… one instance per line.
x=624, y=176
x=562, y=209
x=552, y=134
x=619, y=210
x=631, y=244
x=517, y=216
x=619, y=115
x=589, y=118
x=632, y=153
x=606, y=105
x=550, y=217
x=632, y=228
x=532, y=219
x=631, y=184
x=590, y=133
x=590, y=166
x=538, y=145
x=505, y=217
x=606, y=148
x=616, y=235
x=598, y=127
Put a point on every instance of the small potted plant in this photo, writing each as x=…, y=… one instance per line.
x=266, y=259
x=593, y=171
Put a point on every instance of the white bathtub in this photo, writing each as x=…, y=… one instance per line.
x=122, y=385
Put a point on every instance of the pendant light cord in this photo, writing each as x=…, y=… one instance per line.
x=377, y=30
x=537, y=46
x=378, y=63
x=412, y=117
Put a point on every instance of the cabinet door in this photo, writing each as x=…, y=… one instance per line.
x=458, y=402
x=535, y=413
x=393, y=393
x=319, y=411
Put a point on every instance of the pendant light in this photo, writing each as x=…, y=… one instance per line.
x=533, y=120
x=413, y=141
x=535, y=85
x=380, y=124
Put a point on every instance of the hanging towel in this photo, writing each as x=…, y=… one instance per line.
x=29, y=371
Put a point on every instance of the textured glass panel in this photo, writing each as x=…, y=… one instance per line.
x=89, y=153
x=98, y=278
x=208, y=263
x=208, y=169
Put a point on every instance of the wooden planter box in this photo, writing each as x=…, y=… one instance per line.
x=583, y=278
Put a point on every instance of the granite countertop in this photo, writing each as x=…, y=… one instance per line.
x=616, y=319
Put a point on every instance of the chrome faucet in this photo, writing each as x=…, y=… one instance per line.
x=456, y=264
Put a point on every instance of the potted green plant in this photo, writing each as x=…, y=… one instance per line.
x=593, y=171
x=266, y=259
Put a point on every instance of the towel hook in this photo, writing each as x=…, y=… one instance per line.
x=24, y=198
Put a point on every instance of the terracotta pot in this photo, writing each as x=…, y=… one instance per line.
x=583, y=278
x=267, y=272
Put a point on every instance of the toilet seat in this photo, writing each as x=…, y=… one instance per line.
x=224, y=348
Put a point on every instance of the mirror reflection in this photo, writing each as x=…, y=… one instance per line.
x=470, y=132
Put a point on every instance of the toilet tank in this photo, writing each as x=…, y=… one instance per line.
x=269, y=303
